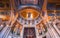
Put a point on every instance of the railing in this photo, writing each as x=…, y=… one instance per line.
x=27, y=22
x=52, y=31
x=6, y=33
x=56, y=29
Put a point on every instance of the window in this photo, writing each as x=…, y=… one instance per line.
x=29, y=1
x=16, y=3
x=57, y=7
x=2, y=5
x=7, y=5
x=58, y=14
x=4, y=13
x=51, y=6
x=29, y=15
x=51, y=14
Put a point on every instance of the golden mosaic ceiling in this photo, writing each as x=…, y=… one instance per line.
x=29, y=13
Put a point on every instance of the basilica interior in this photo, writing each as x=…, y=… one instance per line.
x=29, y=18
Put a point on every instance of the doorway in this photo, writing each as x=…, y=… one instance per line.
x=29, y=32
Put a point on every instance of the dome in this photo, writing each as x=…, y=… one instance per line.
x=29, y=13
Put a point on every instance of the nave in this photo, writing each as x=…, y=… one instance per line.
x=29, y=18
x=18, y=31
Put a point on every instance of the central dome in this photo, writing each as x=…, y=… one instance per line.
x=29, y=13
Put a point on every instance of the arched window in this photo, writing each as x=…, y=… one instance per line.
x=29, y=15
